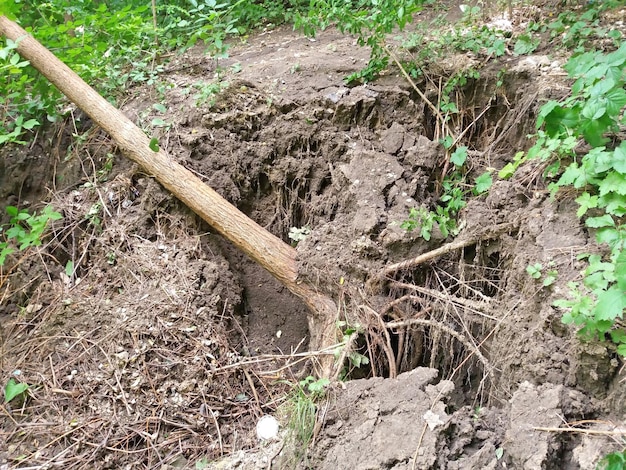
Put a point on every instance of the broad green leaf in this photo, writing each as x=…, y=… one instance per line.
x=69, y=268
x=13, y=389
x=525, y=44
x=607, y=235
x=4, y=252
x=545, y=110
x=618, y=336
x=593, y=110
x=615, y=101
x=580, y=64
x=30, y=124
x=603, y=221
x=613, y=183
x=610, y=304
x=483, y=183
x=594, y=129
x=459, y=156
x=507, y=171
x=561, y=119
x=586, y=202
x=620, y=271
x=573, y=175
x=619, y=158
x=447, y=141
x=614, y=204
x=598, y=160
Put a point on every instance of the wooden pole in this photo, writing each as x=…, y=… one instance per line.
x=269, y=251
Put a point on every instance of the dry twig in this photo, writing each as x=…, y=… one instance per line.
x=493, y=232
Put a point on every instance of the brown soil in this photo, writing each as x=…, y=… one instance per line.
x=165, y=345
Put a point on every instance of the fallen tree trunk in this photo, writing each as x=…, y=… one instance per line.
x=269, y=251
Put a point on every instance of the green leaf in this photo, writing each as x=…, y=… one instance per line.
x=607, y=235
x=618, y=336
x=202, y=464
x=603, y=221
x=534, y=270
x=525, y=45
x=586, y=202
x=594, y=129
x=610, y=305
x=154, y=144
x=483, y=183
x=459, y=156
x=30, y=124
x=613, y=204
x=619, y=158
x=615, y=101
x=158, y=122
x=13, y=390
x=507, y=171
x=69, y=268
x=447, y=141
x=573, y=175
x=545, y=110
x=159, y=107
x=551, y=277
x=561, y=119
x=620, y=271
x=613, y=182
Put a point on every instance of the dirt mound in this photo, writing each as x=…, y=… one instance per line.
x=162, y=346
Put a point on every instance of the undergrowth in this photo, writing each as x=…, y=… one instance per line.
x=114, y=46
x=24, y=230
x=301, y=409
x=594, y=112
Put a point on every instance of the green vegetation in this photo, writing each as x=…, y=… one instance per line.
x=613, y=461
x=13, y=390
x=593, y=112
x=369, y=20
x=114, y=46
x=298, y=234
x=24, y=230
x=548, y=272
x=455, y=191
x=302, y=410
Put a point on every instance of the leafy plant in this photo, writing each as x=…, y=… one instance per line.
x=113, y=46
x=593, y=112
x=302, y=410
x=613, y=461
x=483, y=183
x=24, y=229
x=12, y=78
x=369, y=20
x=577, y=29
x=208, y=91
x=451, y=201
x=298, y=234
x=525, y=44
x=549, y=273
x=14, y=390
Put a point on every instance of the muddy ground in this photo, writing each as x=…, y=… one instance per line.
x=164, y=345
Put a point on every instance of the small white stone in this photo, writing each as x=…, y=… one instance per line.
x=267, y=428
x=432, y=420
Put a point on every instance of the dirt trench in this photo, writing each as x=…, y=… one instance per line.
x=164, y=345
